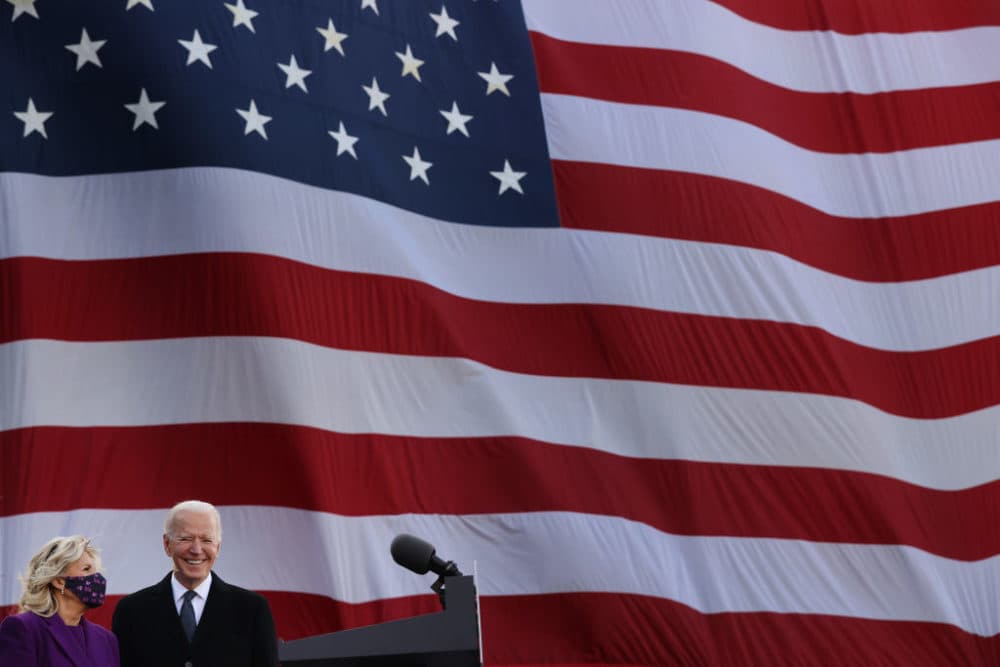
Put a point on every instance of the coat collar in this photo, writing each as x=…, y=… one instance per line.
x=166, y=610
x=214, y=612
x=214, y=600
x=66, y=642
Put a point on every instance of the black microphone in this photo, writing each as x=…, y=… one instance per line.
x=419, y=556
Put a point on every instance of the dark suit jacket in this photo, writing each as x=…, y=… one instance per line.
x=235, y=630
x=30, y=640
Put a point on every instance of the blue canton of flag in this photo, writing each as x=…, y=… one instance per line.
x=429, y=107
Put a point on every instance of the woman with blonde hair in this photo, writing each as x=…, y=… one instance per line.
x=63, y=581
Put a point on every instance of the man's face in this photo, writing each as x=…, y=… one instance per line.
x=193, y=547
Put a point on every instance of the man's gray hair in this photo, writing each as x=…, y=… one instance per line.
x=194, y=506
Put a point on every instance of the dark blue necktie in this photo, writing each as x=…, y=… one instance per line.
x=187, y=615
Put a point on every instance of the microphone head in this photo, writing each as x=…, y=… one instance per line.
x=412, y=553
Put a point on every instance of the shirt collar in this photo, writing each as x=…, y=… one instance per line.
x=179, y=590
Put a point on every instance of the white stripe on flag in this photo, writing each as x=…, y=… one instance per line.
x=131, y=215
x=869, y=185
x=810, y=61
x=544, y=552
x=275, y=380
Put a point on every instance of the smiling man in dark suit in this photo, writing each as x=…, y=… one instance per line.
x=192, y=618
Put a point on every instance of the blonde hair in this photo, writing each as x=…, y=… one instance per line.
x=197, y=507
x=51, y=561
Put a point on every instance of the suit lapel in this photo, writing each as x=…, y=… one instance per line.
x=166, y=610
x=214, y=611
x=63, y=639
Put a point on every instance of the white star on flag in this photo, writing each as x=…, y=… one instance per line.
x=295, y=76
x=411, y=65
x=445, y=24
x=33, y=119
x=197, y=49
x=23, y=7
x=345, y=142
x=496, y=80
x=456, y=119
x=376, y=97
x=242, y=16
x=145, y=111
x=145, y=3
x=334, y=39
x=370, y=4
x=255, y=120
x=509, y=179
x=418, y=167
x=86, y=50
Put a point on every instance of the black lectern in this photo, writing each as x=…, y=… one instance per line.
x=449, y=638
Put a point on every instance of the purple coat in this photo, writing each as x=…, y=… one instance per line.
x=30, y=640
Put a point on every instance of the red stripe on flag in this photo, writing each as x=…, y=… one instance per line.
x=714, y=210
x=257, y=295
x=853, y=17
x=336, y=473
x=826, y=122
x=614, y=628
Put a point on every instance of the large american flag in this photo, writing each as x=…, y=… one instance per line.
x=676, y=319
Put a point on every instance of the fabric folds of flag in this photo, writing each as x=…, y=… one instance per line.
x=675, y=318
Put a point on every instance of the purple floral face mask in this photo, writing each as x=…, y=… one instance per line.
x=89, y=589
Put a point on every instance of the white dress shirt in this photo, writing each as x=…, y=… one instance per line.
x=197, y=602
